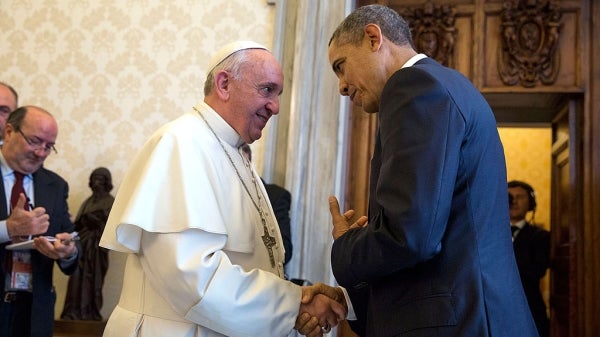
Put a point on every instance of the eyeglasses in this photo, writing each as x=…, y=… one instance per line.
x=37, y=144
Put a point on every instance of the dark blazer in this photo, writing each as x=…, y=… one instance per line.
x=436, y=257
x=50, y=192
x=280, y=201
x=532, y=251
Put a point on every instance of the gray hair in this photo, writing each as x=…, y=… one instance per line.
x=12, y=90
x=393, y=26
x=232, y=64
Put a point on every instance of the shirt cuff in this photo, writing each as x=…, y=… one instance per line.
x=64, y=263
x=351, y=314
x=4, y=232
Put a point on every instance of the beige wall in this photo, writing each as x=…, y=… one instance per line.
x=528, y=155
x=112, y=72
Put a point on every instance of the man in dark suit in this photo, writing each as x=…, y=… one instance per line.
x=435, y=258
x=280, y=201
x=27, y=293
x=532, y=250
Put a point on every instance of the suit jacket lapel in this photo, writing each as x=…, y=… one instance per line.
x=40, y=184
x=3, y=211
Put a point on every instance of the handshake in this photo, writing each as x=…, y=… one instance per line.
x=322, y=307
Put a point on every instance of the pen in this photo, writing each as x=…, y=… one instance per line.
x=30, y=208
x=68, y=241
x=74, y=237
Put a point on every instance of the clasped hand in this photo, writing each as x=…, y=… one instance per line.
x=322, y=308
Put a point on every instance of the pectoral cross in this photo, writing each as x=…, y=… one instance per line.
x=269, y=242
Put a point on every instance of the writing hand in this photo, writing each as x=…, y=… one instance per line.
x=341, y=222
x=24, y=223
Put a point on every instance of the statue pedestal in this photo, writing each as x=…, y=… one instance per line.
x=75, y=328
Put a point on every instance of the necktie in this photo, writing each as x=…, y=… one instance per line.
x=513, y=229
x=18, y=262
x=18, y=189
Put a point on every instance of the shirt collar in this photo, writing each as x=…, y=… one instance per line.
x=219, y=125
x=7, y=170
x=414, y=60
x=519, y=224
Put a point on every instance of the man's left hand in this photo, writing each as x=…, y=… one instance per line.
x=341, y=222
x=62, y=248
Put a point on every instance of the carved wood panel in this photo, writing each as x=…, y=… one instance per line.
x=529, y=35
x=531, y=48
x=433, y=29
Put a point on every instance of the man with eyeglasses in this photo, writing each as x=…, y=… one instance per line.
x=8, y=103
x=33, y=205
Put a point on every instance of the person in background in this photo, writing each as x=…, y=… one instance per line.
x=83, y=300
x=434, y=256
x=531, y=244
x=8, y=103
x=33, y=203
x=281, y=200
x=205, y=255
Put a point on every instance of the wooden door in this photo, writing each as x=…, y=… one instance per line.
x=566, y=210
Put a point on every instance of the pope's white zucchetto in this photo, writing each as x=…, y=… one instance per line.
x=231, y=48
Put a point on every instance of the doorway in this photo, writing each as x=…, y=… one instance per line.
x=551, y=132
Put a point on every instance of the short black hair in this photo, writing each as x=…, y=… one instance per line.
x=392, y=25
x=16, y=117
x=530, y=192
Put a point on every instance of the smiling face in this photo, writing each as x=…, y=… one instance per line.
x=255, y=95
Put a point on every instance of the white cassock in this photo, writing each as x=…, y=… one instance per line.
x=197, y=265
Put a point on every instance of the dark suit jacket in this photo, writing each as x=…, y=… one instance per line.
x=280, y=201
x=50, y=192
x=436, y=257
x=532, y=251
